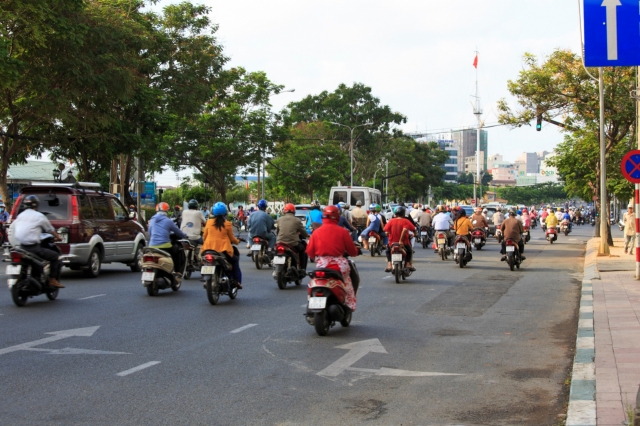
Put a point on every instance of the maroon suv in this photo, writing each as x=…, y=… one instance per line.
x=99, y=228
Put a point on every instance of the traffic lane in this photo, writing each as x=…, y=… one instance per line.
x=292, y=352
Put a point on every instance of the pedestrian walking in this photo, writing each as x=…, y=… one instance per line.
x=629, y=220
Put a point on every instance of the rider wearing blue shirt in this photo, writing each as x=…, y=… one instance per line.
x=313, y=217
x=160, y=229
x=566, y=216
x=261, y=224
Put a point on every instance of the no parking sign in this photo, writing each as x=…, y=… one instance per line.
x=630, y=166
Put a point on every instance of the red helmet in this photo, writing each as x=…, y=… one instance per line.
x=331, y=212
x=289, y=208
x=162, y=207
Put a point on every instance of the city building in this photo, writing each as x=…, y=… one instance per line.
x=470, y=163
x=547, y=172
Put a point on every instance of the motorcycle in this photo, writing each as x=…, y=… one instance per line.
x=443, y=249
x=526, y=234
x=498, y=235
x=375, y=244
x=398, y=260
x=513, y=254
x=593, y=221
x=216, y=275
x=259, y=253
x=461, y=255
x=194, y=261
x=534, y=223
x=543, y=225
x=424, y=236
x=327, y=298
x=564, y=227
x=551, y=235
x=28, y=274
x=158, y=269
x=479, y=238
x=287, y=266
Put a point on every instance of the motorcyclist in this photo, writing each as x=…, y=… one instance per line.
x=463, y=227
x=27, y=229
x=373, y=224
x=4, y=216
x=218, y=236
x=424, y=220
x=133, y=212
x=551, y=221
x=383, y=223
x=329, y=244
x=160, y=229
x=559, y=214
x=344, y=222
x=416, y=213
x=261, y=224
x=566, y=216
x=398, y=230
x=443, y=223
x=498, y=218
x=291, y=232
x=478, y=220
x=192, y=222
x=526, y=219
x=177, y=215
x=359, y=216
x=512, y=229
x=314, y=217
x=241, y=215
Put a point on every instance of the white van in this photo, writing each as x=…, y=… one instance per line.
x=353, y=194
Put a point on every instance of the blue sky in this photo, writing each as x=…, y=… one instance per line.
x=416, y=55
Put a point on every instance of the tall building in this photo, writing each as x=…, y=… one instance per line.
x=466, y=143
x=529, y=163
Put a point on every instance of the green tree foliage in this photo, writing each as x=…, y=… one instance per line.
x=535, y=194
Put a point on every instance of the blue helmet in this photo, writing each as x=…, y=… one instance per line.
x=372, y=207
x=262, y=204
x=219, y=209
x=519, y=212
x=339, y=207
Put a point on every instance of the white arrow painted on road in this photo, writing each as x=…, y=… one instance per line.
x=612, y=28
x=57, y=335
x=358, y=350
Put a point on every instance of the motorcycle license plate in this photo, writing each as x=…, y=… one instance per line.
x=13, y=269
x=396, y=257
x=148, y=276
x=317, y=302
x=372, y=240
x=461, y=246
x=65, y=238
x=207, y=270
x=441, y=240
x=256, y=247
x=511, y=248
x=279, y=260
x=423, y=233
x=477, y=240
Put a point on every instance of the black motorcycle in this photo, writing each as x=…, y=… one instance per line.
x=216, y=274
x=194, y=260
x=259, y=252
x=287, y=266
x=513, y=254
x=28, y=274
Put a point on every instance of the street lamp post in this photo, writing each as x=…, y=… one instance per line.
x=351, y=142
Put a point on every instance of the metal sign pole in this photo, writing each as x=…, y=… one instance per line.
x=604, y=204
x=637, y=200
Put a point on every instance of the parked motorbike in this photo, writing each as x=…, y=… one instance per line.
x=526, y=235
x=551, y=235
x=513, y=254
x=327, y=298
x=593, y=221
x=28, y=275
x=158, y=269
x=399, y=262
x=287, y=266
x=194, y=261
x=478, y=237
x=564, y=227
x=375, y=244
x=216, y=275
x=461, y=253
x=259, y=250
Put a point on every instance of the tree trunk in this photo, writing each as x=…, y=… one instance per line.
x=4, y=189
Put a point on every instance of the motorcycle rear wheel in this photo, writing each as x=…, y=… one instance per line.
x=152, y=289
x=212, y=290
x=51, y=295
x=396, y=273
x=18, y=299
x=321, y=323
x=510, y=261
x=372, y=249
x=461, y=256
x=282, y=281
x=347, y=319
x=258, y=258
x=443, y=254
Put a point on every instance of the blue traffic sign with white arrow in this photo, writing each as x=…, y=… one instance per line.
x=611, y=33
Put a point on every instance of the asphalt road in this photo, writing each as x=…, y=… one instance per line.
x=504, y=340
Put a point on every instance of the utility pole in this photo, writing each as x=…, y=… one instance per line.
x=477, y=112
x=604, y=204
x=637, y=186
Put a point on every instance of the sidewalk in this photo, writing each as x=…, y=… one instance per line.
x=611, y=289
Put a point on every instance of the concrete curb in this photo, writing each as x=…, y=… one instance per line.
x=582, y=396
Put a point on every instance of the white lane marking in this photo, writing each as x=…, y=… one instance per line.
x=386, y=278
x=238, y=330
x=138, y=368
x=91, y=297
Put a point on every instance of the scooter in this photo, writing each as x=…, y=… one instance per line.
x=498, y=235
x=327, y=298
x=158, y=269
x=479, y=238
x=399, y=262
x=564, y=227
x=551, y=235
x=461, y=255
x=375, y=244
x=28, y=274
x=259, y=254
x=216, y=275
x=513, y=254
x=424, y=236
x=287, y=265
x=526, y=234
x=534, y=223
x=443, y=249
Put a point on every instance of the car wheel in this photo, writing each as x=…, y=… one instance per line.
x=137, y=265
x=94, y=265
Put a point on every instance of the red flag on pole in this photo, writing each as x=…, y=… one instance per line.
x=246, y=184
x=475, y=61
